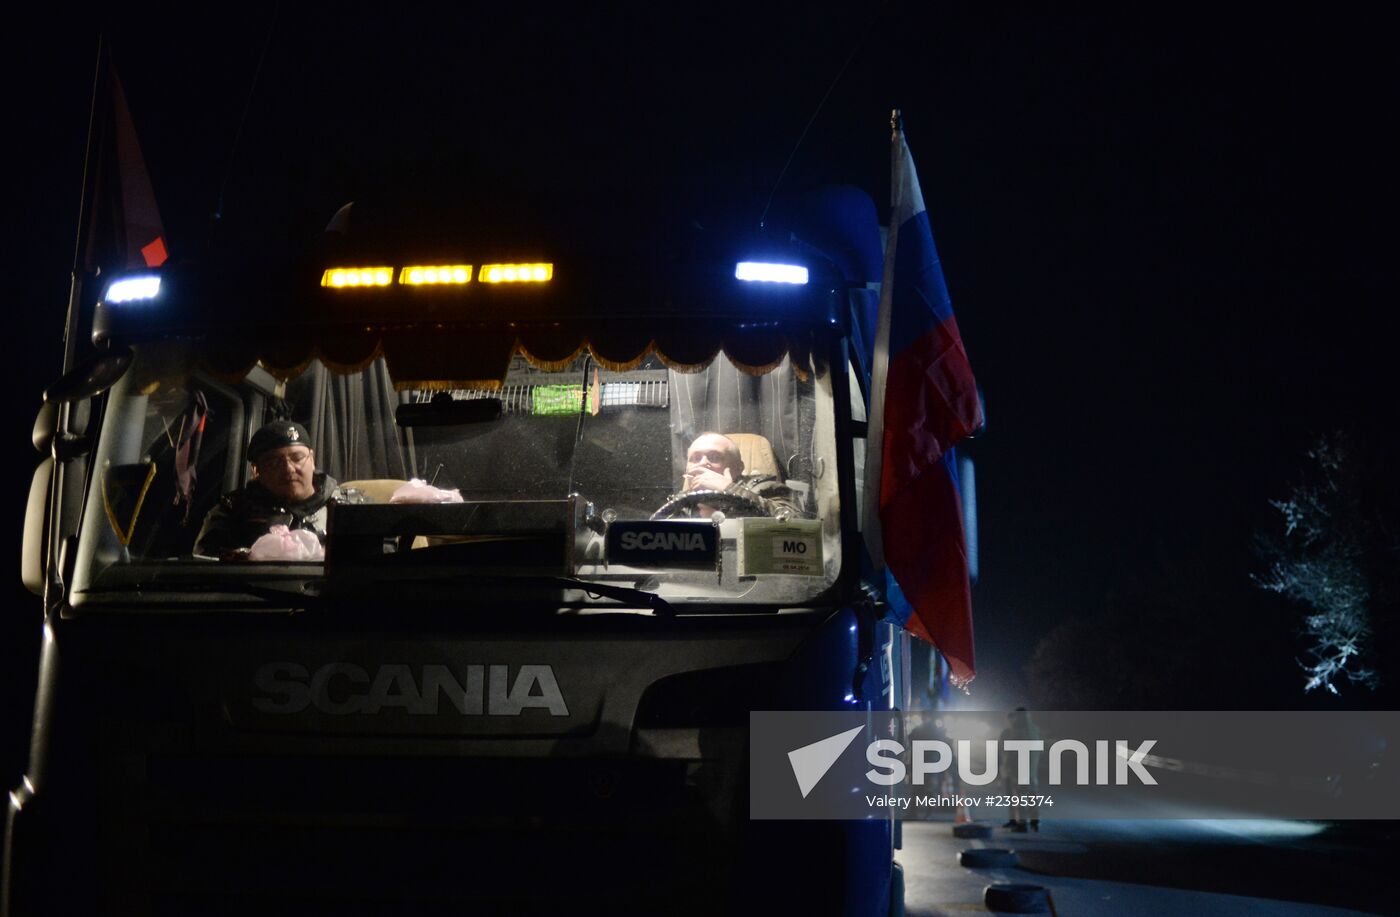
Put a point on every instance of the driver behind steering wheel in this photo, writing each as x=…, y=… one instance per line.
x=713, y=463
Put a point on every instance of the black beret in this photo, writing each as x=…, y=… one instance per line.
x=276, y=435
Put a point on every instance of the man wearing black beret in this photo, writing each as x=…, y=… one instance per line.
x=286, y=489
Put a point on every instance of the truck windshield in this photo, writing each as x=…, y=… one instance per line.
x=711, y=486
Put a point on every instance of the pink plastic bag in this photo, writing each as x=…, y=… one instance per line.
x=281, y=543
x=420, y=491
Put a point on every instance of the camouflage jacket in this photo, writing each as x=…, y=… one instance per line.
x=244, y=516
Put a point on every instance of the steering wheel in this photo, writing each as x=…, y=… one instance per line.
x=731, y=504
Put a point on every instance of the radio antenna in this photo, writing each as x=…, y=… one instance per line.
x=812, y=120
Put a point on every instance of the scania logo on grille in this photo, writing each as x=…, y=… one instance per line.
x=341, y=688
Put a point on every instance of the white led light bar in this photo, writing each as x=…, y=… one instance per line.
x=130, y=289
x=767, y=272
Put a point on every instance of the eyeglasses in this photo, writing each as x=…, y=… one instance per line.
x=295, y=460
x=715, y=456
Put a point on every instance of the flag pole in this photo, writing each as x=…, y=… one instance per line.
x=75, y=287
x=879, y=364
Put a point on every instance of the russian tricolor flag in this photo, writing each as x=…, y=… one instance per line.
x=923, y=402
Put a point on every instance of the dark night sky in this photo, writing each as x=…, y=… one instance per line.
x=1162, y=230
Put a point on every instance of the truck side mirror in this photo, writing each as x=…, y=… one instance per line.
x=64, y=448
x=44, y=427
x=36, y=517
x=92, y=377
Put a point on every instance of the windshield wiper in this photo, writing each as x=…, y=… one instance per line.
x=297, y=598
x=272, y=595
x=624, y=594
x=620, y=593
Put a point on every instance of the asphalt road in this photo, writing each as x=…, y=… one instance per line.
x=1195, y=866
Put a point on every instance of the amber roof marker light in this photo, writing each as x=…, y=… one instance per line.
x=339, y=278
x=535, y=272
x=417, y=275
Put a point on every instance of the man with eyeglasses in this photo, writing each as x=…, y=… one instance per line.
x=286, y=489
